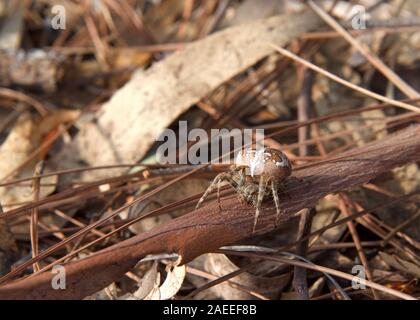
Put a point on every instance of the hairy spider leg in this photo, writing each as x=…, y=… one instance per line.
x=274, y=191
x=261, y=192
x=242, y=176
x=224, y=176
x=218, y=194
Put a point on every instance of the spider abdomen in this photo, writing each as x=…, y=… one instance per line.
x=269, y=162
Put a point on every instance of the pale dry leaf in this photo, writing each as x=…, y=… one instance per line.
x=175, y=276
x=173, y=282
x=25, y=137
x=21, y=141
x=149, y=284
x=149, y=289
x=154, y=294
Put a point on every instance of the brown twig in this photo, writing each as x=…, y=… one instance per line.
x=300, y=282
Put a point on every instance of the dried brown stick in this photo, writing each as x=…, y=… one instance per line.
x=300, y=283
x=207, y=229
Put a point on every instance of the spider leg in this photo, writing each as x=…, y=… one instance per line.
x=218, y=194
x=274, y=191
x=210, y=188
x=242, y=178
x=261, y=192
x=225, y=176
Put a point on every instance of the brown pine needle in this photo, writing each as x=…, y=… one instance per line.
x=34, y=214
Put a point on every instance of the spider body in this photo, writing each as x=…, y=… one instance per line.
x=255, y=176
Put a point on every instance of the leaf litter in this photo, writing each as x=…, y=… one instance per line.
x=100, y=93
